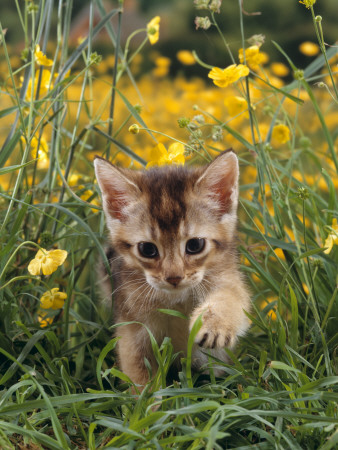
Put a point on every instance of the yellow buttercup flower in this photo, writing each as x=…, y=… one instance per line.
x=43, y=319
x=280, y=134
x=332, y=238
x=86, y=195
x=235, y=105
x=153, y=30
x=74, y=179
x=45, y=85
x=159, y=156
x=47, y=261
x=253, y=57
x=53, y=299
x=134, y=129
x=279, y=69
x=41, y=153
x=309, y=48
x=186, y=57
x=272, y=312
x=229, y=75
x=162, y=66
x=308, y=3
x=41, y=58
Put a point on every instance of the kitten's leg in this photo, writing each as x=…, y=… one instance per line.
x=132, y=348
x=223, y=317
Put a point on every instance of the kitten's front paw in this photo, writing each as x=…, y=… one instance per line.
x=216, y=331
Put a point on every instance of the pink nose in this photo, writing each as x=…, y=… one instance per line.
x=174, y=280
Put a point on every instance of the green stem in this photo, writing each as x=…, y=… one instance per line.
x=112, y=103
x=322, y=121
x=137, y=51
x=227, y=46
x=24, y=277
x=29, y=128
x=330, y=305
x=177, y=140
x=15, y=252
x=247, y=85
x=314, y=295
x=320, y=38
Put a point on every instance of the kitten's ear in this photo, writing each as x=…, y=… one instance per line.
x=220, y=179
x=117, y=188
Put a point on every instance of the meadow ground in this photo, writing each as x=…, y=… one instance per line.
x=60, y=386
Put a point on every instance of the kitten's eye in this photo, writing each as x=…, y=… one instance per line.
x=147, y=249
x=195, y=245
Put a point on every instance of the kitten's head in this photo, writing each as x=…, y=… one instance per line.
x=173, y=224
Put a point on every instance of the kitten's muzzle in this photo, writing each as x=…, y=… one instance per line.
x=174, y=280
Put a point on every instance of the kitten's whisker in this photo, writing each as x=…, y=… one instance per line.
x=129, y=284
x=145, y=285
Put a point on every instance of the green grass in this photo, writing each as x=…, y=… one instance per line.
x=60, y=386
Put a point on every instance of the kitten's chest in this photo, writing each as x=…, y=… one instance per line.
x=168, y=325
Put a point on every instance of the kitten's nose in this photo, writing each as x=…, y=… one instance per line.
x=174, y=280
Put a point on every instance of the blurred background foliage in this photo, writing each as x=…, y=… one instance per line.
x=285, y=21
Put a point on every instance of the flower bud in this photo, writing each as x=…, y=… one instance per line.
x=201, y=4
x=46, y=239
x=202, y=22
x=303, y=193
x=199, y=119
x=308, y=3
x=305, y=142
x=215, y=6
x=298, y=74
x=95, y=58
x=256, y=39
x=134, y=129
x=217, y=134
x=32, y=8
x=183, y=122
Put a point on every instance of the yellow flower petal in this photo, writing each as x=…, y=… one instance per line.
x=186, y=57
x=34, y=267
x=41, y=58
x=309, y=48
x=153, y=30
x=280, y=134
x=44, y=86
x=48, y=266
x=332, y=238
x=47, y=261
x=46, y=301
x=328, y=244
x=43, y=319
x=235, y=105
x=229, y=75
x=176, y=153
x=279, y=69
x=253, y=57
x=308, y=3
x=159, y=156
x=59, y=256
x=53, y=299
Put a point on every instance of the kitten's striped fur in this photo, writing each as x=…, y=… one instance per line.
x=174, y=210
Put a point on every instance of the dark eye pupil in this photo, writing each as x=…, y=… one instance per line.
x=195, y=245
x=147, y=249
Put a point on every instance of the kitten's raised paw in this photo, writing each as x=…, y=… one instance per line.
x=216, y=331
x=212, y=340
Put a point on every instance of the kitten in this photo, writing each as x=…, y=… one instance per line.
x=173, y=245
